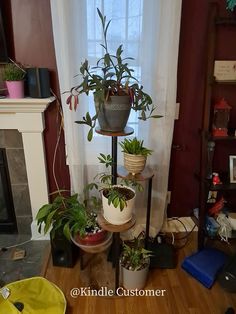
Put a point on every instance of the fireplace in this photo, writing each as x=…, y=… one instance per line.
x=26, y=117
x=7, y=213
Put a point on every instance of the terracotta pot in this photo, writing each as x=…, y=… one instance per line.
x=91, y=238
x=134, y=163
x=15, y=89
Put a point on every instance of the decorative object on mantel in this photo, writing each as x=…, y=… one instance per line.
x=14, y=76
x=221, y=118
x=38, y=82
x=231, y=5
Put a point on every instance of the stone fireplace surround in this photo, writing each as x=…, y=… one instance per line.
x=27, y=116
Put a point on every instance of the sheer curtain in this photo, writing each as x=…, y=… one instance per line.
x=157, y=54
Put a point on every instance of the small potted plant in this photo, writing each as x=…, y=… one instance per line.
x=117, y=200
x=67, y=215
x=116, y=91
x=135, y=155
x=134, y=261
x=14, y=75
x=118, y=204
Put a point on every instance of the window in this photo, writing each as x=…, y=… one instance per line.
x=125, y=29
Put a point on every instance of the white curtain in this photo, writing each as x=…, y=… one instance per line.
x=159, y=55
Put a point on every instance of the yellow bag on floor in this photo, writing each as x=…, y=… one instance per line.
x=38, y=295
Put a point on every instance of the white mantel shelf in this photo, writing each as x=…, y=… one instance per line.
x=27, y=105
x=27, y=116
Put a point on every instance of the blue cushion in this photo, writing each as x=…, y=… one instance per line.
x=204, y=265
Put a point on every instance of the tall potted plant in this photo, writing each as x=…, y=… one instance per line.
x=135, y=155
x=14, y=76
x=116, y=91
x=134, y=261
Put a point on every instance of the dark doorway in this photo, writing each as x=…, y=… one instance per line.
x=7, y=213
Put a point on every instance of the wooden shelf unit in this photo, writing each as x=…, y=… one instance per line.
x=214, y=23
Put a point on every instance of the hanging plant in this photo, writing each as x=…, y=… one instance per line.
x=231, y=4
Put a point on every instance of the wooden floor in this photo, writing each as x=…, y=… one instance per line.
x=183, y=295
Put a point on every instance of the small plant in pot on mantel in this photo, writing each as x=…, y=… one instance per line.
x=116, y=91
x=14, y=75
x=135, y=155
x=134, y=261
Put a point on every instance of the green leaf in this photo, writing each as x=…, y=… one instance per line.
x=90, y=135
x=49, y=221
x=81, y=122
x=156, y=116
x=43, y=211
x=119, y=51
x=66, y=230
x=88, y=119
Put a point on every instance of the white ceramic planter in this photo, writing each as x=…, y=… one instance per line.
x=114, y=215
x=134, y=163
x=134, y=279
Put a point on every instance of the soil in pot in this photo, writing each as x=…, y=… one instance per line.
x=128, y=194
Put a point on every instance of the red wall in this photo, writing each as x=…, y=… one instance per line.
x=33, y=45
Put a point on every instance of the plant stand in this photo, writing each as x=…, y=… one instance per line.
x=117, y=229
x=146, y=175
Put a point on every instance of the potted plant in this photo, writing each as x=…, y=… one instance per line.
x=116, y=91
x=134, y=261
x=14, y=76
x=135, y=155
x=118, y=204
x=67, y=215
x=117, y=200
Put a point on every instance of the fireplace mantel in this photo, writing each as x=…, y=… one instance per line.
x=27, y=116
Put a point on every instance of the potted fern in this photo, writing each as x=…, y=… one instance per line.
x=135, y=155
x=14, y=76
x=116, y=91
x=134, y=261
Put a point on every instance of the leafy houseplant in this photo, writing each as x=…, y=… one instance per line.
x=135, y=262
x=117, y=200
x=115, y=82
x=69, y=216
x=14, y=76
x=135, y=155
